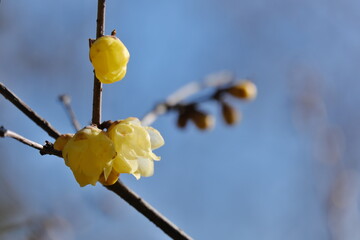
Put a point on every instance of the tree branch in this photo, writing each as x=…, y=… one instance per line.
x=148, y=211
x=46, y=149
x=45, y=125
x=97, y=91
x=190, y=89
x=66, y=100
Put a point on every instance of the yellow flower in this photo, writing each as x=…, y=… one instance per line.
x=134, y=144
x=89, y=153
x=94, y=155
x=109, y=56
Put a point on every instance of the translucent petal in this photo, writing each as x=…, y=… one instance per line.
x=137, y=175
x=107, y=170
x=146, y=167
x=155, y=138
x=154, y=157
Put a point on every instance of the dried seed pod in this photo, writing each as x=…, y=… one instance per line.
x=244, y=90
x=202, y=120
x=230, y=115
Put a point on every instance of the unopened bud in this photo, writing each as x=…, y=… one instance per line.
x=230, y=115
x=202, y=120
x=182, y=120
x=109, y=57
x=244, y=90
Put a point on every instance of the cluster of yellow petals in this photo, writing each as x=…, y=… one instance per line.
x=109, y=57
x=95, y=155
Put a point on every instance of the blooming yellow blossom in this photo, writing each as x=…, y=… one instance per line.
x=94, y=155
x=89, y=153
x=109, y=56
x=134, y=144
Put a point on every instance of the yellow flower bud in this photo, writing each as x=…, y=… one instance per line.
x=244, y=90
x=61, y=141
x=134, y=144
x=109, y=57
x=89, y=153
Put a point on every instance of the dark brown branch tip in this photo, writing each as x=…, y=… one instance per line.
x=91, y=41
x=66, y=99
x=2, y=131
x=113, y=33
x=105, y=124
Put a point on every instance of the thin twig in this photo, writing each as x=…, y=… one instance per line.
x=100, y=26
x=148, y=211
x=41, y=122
x=47, y=149
x=66, y=101
x=121, y=190
x=190, y=89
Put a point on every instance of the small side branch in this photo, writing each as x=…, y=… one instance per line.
x=66, y=101
x=97, y=91
x=148, y=211
x=41, y=122
x=47, y=149
x=174, y=100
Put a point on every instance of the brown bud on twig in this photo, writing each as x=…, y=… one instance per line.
x=202, y=120
x=244, y=90
x=182, y=120
x=230, y=115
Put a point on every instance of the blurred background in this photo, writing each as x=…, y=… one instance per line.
x=289, y=170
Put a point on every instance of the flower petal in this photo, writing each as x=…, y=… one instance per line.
x=146, y=167
x=155, y=138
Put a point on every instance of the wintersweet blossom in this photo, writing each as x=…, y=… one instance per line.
x=95, y=155
x=134, y=144
x=109, y=57
x=89, y=153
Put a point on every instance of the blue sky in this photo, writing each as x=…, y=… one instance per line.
x=265, y=178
